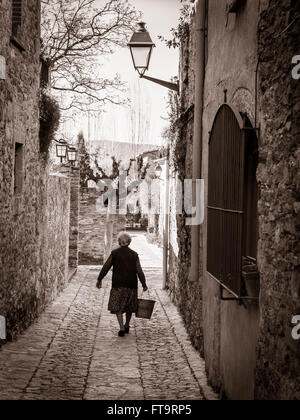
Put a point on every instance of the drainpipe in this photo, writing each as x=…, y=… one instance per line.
x=199, y=65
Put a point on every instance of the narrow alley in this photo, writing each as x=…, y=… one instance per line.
x=177, y=121
x=73, y=352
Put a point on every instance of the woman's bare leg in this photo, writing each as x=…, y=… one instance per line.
x=121, y=321
x=128, y=319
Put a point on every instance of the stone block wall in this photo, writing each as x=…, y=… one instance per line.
x=52, y=253
x=119, y=226
x=278, y=365
x=74, y=216
x=34, y=252
x=34, y=206
x=19, y=123
x=91, y=229
x=97, y=232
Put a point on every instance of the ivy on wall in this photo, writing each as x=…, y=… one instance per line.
x=49, y=121
x=181, y=32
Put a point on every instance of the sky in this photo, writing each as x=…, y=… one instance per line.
x=151, y=99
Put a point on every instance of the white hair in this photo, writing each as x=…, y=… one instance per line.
x=124, y=239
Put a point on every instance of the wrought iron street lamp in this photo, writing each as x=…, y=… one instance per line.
x=141, y=47
x=61, y=150
x=72, y=155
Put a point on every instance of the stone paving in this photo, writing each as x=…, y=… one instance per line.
x=73, y=352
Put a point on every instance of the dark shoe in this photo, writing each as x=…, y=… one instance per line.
x=127, y=330
x=121, y=333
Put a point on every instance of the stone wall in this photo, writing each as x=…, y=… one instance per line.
x=34, y=206
x=34, y=252
x=74, y=216
x=52, y=251
x=278, y=365
x=119, y=226
x=19, y=119
x=91, y=229
x=97, y=232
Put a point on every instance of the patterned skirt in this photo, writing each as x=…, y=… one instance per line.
x=123, y=300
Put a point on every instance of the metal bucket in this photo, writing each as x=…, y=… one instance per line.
x=145, y=308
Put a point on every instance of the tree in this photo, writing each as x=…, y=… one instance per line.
x=90, y=168
x=75, y=33
x=86, y=172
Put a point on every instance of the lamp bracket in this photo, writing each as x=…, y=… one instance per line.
x=169, y=85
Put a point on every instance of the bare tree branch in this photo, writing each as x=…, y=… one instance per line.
x=76, y=33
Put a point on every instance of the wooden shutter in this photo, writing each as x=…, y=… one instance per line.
x=18, y=169
x=226, y=199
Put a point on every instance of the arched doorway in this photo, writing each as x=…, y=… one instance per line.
x=232, y=202
x=232, y=320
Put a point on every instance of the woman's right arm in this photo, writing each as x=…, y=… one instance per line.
x=105, y=269
x=141, y=274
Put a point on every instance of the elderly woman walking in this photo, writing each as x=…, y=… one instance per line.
x=126, y=270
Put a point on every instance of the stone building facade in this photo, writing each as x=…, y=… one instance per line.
x=250, y=95
x=34, y=204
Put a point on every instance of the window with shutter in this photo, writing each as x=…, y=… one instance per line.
x=231, y=199
x=233, y=6
x=18, y=169
x=16, y=17
x=45, y=73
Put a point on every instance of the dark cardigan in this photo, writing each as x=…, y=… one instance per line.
x=126, y=269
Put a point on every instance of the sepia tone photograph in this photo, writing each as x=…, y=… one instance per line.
x=149, y=203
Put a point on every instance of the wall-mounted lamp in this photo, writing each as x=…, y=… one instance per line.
x=141, y=47
x=158, y=171
x=61, y=149
x=72, y=155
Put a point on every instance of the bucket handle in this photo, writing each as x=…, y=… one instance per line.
x=148, y=293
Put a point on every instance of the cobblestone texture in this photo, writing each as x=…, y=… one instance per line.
x=73, y=352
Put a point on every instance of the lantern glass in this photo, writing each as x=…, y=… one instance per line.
x=61, y=150
x=158, y=171
x=141, y=57
x=72, y=155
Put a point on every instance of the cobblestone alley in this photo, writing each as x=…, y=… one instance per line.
x=73, y=351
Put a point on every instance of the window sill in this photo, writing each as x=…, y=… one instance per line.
x=235, y=297
x=17, y=204
x=17, y=43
